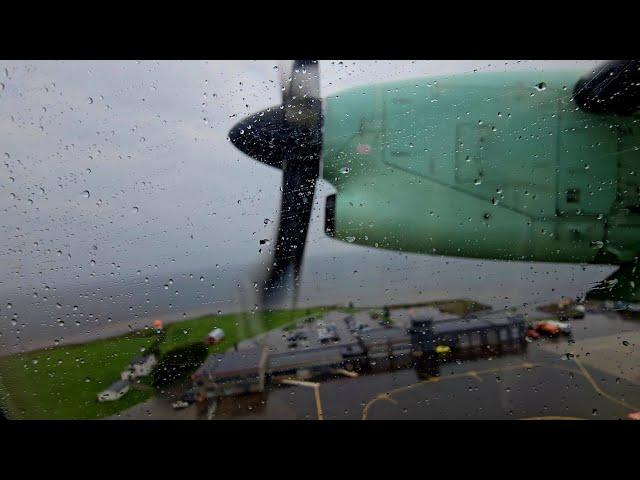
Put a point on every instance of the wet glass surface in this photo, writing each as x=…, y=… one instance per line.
x=319, y=240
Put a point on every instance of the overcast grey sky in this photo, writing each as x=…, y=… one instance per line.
x=126, y=164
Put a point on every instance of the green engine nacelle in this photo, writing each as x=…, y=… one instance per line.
x=492, y=165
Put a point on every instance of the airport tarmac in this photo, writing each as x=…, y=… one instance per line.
x=595, y=374
x=536, y=385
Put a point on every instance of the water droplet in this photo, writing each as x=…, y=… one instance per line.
x=135, y=210
x=86, y=194
x=541, y=86
x=350, y=239
x=597, y=244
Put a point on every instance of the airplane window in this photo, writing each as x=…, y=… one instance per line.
x=319, y=240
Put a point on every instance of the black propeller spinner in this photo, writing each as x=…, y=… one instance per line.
x=288, y=137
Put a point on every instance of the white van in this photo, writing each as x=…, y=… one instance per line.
x=328, y=333
x=323, y=334
x=215, y=336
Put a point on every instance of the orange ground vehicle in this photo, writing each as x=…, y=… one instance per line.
x=532, y=333
x=547, y=328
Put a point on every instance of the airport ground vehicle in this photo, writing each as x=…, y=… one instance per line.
x=562, y=326
x=328, y=333
x=532, y=333
x=361, y=327
x=179, y=405
x=298, y=335
x=575, y=312
x=190, y=396
x=546, y=328
x=215, y=336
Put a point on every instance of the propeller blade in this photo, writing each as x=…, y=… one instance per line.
x=301, y=94
x=288, y=137
x=296, y=204
x=302, y=116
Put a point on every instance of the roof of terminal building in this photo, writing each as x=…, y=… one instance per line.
x=497, y=319
x=316, y=357
x=233, y=363
x=421, y=313
x=384, y=335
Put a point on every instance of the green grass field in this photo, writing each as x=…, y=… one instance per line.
x=62, y=382
x=236, y=327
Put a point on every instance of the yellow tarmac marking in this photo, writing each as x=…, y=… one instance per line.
x=476, y=374
x=387, y=395
x=299, y=383
x=316, y=392
x=597, y=388
x=384, y=396
x=346, y=373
